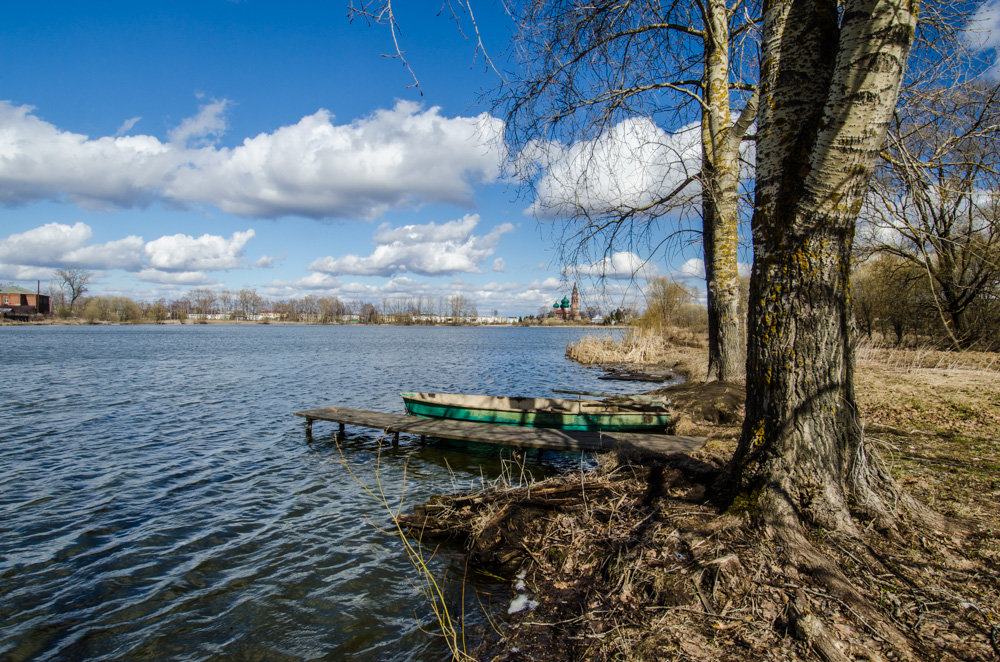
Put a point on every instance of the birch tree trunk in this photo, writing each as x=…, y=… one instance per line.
x=719, y=200
x=828, y=88
x=589, y=66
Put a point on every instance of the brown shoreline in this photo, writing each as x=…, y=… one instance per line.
x=81, y=322
x=632, y=562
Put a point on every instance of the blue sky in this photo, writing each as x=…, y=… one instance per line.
x=173, y=145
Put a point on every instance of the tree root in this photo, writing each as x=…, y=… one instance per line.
x=811, y=629
x=805, y=559
x=627, y=564
x=882, y=565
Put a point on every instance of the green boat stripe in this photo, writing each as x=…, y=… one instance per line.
x=618, y=421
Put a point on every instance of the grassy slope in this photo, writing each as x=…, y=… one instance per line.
x=643, y=573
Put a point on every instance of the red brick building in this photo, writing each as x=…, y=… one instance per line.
x=19, y=302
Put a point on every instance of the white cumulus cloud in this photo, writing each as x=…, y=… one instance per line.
x=633, y=164
x=186, y=278
x=623, y=265
x=58, y=245
x=205, y=127
x=982, y=33
x=268, y=261
x=392, y=159
x=44, y=244
x=431, y=249
x=181, y=252
x=395, y=158
x=39, y=162
x=119, y=254
x=62, y=245
x=20, y=272
x=692, y=268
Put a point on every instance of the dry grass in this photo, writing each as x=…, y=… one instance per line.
x=908, y=359
x=630, y=563
x=450, y=624
x=938, y=416
x=682, y=350
x=636, y=347
x=935, y=413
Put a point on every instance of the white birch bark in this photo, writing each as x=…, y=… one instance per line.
x=720, y=235
x=827, y=93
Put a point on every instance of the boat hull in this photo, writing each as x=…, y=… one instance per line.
x=535, y=412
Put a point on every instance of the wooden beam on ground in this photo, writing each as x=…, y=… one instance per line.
x=507, y=435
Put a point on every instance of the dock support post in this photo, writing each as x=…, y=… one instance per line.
x=395, y=438
x=340, y=431
x=309, y=428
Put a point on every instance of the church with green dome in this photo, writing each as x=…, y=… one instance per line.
x=568, y=309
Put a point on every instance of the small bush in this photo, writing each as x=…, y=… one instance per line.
x=671, y=307
x=157, y=312
x=92, y=311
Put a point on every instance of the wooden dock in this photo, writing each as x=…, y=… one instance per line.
x=507, y=435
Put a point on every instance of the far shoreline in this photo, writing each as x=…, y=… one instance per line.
x=82, y=322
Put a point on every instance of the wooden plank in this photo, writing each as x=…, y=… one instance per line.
x=510, y=435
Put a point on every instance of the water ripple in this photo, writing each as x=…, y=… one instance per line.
x=157, y=500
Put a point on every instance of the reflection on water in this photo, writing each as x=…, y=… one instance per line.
x=158, y=500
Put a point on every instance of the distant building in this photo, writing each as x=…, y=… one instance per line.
x=495, y=319
x=19, y=303
x=568, y=309
x=210, y=316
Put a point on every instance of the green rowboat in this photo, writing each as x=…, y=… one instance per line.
x=620, y=415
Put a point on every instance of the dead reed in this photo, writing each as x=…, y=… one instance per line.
x=906, y=359
x=638, y=346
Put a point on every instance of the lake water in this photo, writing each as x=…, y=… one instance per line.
x=158, y=499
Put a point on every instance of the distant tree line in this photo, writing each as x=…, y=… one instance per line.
x=897, y=299
x=669, y=304
x=901, y=302
x=929, y=262
x=68, y=298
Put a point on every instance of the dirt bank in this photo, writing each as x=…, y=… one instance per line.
x=632, y=562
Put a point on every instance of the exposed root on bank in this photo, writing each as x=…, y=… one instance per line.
x=911, y=581
x=633, y=562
